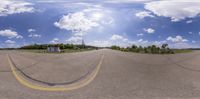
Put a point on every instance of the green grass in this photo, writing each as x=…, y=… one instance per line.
x=78, y=50
x=182, y=51
x=34, y=51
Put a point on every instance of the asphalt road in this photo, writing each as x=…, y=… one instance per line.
x=122, y=75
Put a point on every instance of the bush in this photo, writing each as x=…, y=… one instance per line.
x=153, y=49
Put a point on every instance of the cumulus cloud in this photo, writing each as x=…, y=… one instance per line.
x=10, y=34
x=142, y=41
x=19, y=37
x=77, y=23
x=149, y=30
x=8, y=7
x=183, y=45
x=140, y=34
x=125, y=1
x=177, y=39
x=144, y=14
x=118, y=37
x=113, y=40
x=102, y=1
x=108, y=21
x=54, y=41
x=101, y=43
x=189, y=21
x=139, y=42
x=175, y=9
x=31, y=30
x=159, y=43
x=34, y=35
x=10, y=42
x=119, y=41
x=193, y=41
x=190, y=33
x=74, y=40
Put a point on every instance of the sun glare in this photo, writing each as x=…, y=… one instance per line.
x=97, y=15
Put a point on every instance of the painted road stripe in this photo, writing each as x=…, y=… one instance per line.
x=67, y=87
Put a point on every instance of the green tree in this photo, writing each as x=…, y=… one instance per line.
x=115, y=47
x=145, y=50
x=133, y=46
x=158, y=50
x=153, y=49
x=164, y=48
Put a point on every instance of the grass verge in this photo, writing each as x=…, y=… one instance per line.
x=182, y=51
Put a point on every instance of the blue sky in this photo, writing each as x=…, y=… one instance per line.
x=100, y=22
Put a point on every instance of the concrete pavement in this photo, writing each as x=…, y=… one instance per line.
x=122, y=75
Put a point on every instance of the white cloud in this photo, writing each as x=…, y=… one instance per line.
x=107, y=43
x=10, y=42
x=149, y=30
x=34, y=35
x=177, y=42
x=175, y=9
x=190, y=32
x=183, y=45
x=118, y=37
x=140, y=40
x=19, y=37
x=144, y=14
x=113, y=40
x=10, y=34
x=101, y=43
x=189, y=21
x=55, y=41
x=177, y=39
x=193, y=41
x=31, y=30
x=108, y=21
x=159, y=43
x=99, y=1
x=126, y=1
x=82, y=22
x=140, y=34
x=8, y=7
x=77, y=23
x=74, y=40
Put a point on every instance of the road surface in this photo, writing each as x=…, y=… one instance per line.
x=122, y=75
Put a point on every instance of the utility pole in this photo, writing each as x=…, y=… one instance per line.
x=83, y=43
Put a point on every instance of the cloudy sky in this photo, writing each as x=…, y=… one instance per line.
x=100, y=22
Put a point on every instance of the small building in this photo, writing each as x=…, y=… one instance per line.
x=53, y=49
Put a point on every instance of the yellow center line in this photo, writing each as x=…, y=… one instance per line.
x=67, y=87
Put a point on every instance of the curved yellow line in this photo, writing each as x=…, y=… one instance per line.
x=68, y=87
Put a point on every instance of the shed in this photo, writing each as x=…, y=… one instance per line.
x=53, y=49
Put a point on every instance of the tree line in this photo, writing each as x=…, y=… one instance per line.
x=153, y=49
x=62, y=46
